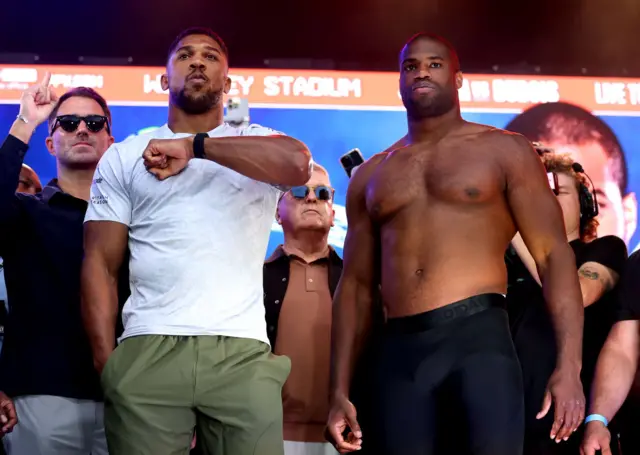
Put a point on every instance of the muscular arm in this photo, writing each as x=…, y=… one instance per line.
x=105, y=244
x=278, y=160
x=538, y=218
x=352, y=309
x=616, y=369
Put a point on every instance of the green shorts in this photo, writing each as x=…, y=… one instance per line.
x=158, y=389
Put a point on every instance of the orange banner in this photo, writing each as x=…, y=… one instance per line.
x=327, y=89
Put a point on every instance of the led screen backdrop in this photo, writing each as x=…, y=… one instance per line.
x=333, y=112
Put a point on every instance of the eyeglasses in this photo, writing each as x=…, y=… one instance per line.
x=70, y=123
x=322, y=192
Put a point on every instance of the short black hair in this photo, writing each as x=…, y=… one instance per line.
x=571, y=124
x=453, y=54
x=83, y=92
x=198, y=31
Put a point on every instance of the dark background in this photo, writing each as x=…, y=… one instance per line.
x=572, y=37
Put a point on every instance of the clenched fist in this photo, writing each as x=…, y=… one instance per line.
x=167, y=157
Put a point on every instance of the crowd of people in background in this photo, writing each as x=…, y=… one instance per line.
x=140, y=316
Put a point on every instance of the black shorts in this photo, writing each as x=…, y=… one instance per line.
x=448, y=382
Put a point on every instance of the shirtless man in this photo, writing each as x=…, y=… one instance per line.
x=430, y=220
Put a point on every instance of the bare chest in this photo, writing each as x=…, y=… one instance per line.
x=456, y=177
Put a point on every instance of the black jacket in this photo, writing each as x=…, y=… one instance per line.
x=276, y=280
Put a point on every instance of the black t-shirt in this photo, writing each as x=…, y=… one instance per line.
x=628, y=302
x=531, y=326
x=610, y=252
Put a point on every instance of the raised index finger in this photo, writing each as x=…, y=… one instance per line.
x=46, y=79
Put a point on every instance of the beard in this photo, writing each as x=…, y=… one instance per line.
x=426, y=106
x=196, y=103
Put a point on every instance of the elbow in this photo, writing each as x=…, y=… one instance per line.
x=94, y=271
x=586, y=295
x=300, y=161
x=302, y=167
x=86, y=278
x=559, y=253
x=621, y=355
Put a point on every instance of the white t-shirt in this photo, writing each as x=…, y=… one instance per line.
x=197, y=240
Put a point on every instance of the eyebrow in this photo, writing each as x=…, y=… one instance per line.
x=431, y=57
x=190, y=48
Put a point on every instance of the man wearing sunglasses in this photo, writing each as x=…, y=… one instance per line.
x=197, y=213
x=46, y=366
x=300, y=278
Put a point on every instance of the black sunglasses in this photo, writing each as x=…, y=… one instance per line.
x=70, y=123
x=322, y=192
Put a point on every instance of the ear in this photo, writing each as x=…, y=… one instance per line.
x=48, y=142
x=278, y=219
x=459, y=80
x=333, y=218
x=164, y=82
x=111, y=140
x=227, y=85
x=630, y=208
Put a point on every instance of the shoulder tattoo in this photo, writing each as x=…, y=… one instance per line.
x=589, y=273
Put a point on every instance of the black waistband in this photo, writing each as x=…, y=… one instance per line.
x=443, y=315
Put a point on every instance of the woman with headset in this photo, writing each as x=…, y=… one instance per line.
x=599, y=263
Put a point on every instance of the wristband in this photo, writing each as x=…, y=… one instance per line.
x=198, y=145
x=596, y=418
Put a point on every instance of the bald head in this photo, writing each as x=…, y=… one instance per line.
x=440, y=48
x=429, y=77
x=28, y=181
x=322, y=170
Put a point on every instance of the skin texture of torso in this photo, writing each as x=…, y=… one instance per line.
x=442, y=219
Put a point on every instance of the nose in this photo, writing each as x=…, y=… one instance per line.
x=423, y=72
x=197, y=63
x=311, y=197
x=82, y=128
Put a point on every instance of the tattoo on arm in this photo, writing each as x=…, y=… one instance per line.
x=589, y=274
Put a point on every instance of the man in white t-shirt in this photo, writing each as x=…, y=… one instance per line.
x=196, y=214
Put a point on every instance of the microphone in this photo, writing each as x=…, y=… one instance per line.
x=578, y=169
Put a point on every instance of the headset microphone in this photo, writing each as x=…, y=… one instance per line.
x=588, y=200
x=577, y=167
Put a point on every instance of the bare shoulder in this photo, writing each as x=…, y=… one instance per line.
x=403, y=142
x=510, y=149
x=360, y=178
x=506, y=141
